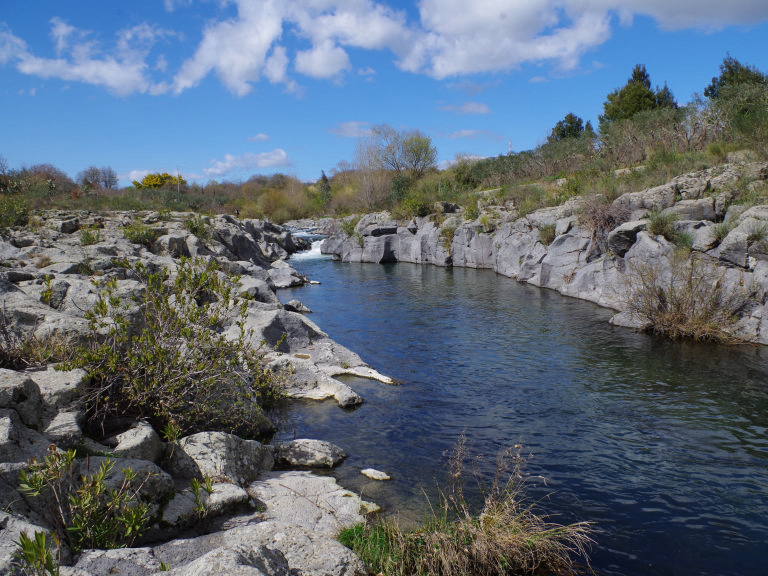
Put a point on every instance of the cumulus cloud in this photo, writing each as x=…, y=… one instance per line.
x=275, y=39
x=467, y=108
x=247, y=161
x=137, y=175
x=258, y=138
x=352, y=129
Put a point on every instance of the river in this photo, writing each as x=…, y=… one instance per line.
x=661, y=444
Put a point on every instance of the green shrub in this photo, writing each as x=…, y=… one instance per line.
x=660, y=224
x=348, y=225
x=13, y=212
x=415, y=205
x=89, y=236
x=85, y=513
x=199, y=227
x=34, y=556
x=471, y=211
x=169, y=360
x=141, y=234
x=505, y=536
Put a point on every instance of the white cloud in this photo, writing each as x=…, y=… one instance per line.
x=325, y=60
x=467, y=108
x=258, y=138
x=351, y=129
x=122, y=72
x=472, y=135
x=247, y=161
x=137, y=175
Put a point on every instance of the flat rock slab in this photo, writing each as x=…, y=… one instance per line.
x=375, y=474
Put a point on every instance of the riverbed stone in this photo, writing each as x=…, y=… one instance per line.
x=141, y=442
x=310, y=453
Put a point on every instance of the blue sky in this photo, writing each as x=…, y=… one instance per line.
x=224, y=89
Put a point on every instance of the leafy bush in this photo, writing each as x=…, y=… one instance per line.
x=348, y=225
x=13, y=212
x=506, y=536
x=199, y=227
x=660, y=224
x=169, y=360
x=34, y=556
x=90, y=236
x=471, y=211
x=86, y=514
x=689, y=301
x=141, y=234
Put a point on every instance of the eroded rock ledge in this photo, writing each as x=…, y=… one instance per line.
x=580, y=264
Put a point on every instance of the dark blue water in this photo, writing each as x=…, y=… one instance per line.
x=663, y=445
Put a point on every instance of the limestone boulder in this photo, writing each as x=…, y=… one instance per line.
x=20, y=393
x=140, y=442
x=59, y=389
x=226, y=457
x=155, y=483
x=656, y=198
x=624, y=236
x=309, y=453
x=64, y=430
x=17, y=442
x=701, y=209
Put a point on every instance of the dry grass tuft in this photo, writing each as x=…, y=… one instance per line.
x=506, y=536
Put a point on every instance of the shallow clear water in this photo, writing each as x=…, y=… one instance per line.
x=662, y=444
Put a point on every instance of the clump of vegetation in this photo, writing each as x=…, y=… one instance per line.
x=13, y=212
x=546, y=234
x=84, y=512
x=722, y=229
x=35, y=555
x=19, y=351
x=90, y=235
x=600, y=217
x=348, y=225
x=660, y=224
x=505, y=535
x=757, y=232
x=169, y=360
x=689, y=300
x=199, y=227
x=141, y=234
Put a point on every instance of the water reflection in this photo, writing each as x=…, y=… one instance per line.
x=662, y=444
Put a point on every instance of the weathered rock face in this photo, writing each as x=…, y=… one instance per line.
x=576, y=263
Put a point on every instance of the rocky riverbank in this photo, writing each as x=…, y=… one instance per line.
x=261, y=517
x=722, y=212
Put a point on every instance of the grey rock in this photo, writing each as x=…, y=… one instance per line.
x=140, y=442
x=64, y=430
x=227, y=457
x=58, y=388
x=656, y=198
x=296, y=306
x=123, y=561
x=623, y=237
x=69, y=226
x=17, y=442
x=10, y=529
x=283, y=275
x=19, y=392
x=702, y=209
x=155, y=483
x=311, y=453
x=248, y=559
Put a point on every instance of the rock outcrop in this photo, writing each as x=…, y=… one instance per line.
x=577, y=262
x=250, y=520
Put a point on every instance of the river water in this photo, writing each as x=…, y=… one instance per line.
x=662, y=444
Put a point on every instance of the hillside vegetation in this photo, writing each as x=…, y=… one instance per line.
x=396, y=170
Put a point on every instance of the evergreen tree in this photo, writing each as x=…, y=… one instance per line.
x=636, y=96
x=569, y=127
x=732, y=73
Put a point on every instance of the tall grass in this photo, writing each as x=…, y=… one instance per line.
x=505, y=535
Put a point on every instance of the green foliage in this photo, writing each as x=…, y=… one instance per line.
x=86, y=514
x=187, y=359
x=90, y=235
x=324, y=190
x=636, y=96
x=13, y=212
x=660, y=224
x=141, y=234
x=569, y=127
x=35, y=555
x=415, y=205
x=199, y=227
x=399, y=186
x=505, y=536
x=348, y=225
x=404, y=152
x=722, y=229
x=471, y=211
x=734, y=73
